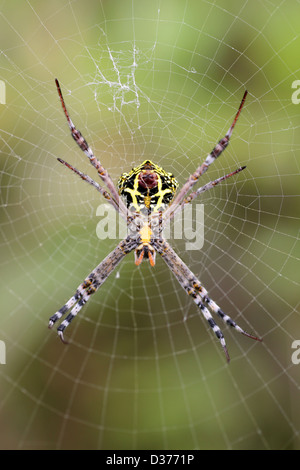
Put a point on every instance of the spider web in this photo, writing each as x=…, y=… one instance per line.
x=157, y=80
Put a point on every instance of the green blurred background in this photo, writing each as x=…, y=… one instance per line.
x=157, y=80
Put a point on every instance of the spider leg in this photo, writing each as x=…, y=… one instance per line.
x=201, y=190
x=216, y=309
x=210, y=185
x=205, y=312
x=82, y=143
x=93, y=183
x=90, y=285
x=193, y=287
x=212, y=156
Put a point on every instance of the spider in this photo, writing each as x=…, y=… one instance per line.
x=145, y=198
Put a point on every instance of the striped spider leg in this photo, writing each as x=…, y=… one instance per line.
x=145, y=198
x=212, y=156
x=93, y=183
x=194, y=288
x=96, y=278
x=84, y=146
x=196, y=193
x=91, y=284
x=184, y=276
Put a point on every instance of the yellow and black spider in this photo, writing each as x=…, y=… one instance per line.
x=146, y=200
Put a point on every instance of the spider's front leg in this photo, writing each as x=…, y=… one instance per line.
x=196, y=193
x=193, y=287
x=84, y=146
x=211, y=157
x=91, y=284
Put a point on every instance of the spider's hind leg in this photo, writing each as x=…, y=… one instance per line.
x=79, y=299
x=193, y=287
x=63, y=310
x=81, y=302
x=226, y=318
x=91, y=284
x=207, y=315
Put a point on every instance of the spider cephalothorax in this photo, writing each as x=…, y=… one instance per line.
x=148, y=192
x=147, y=188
